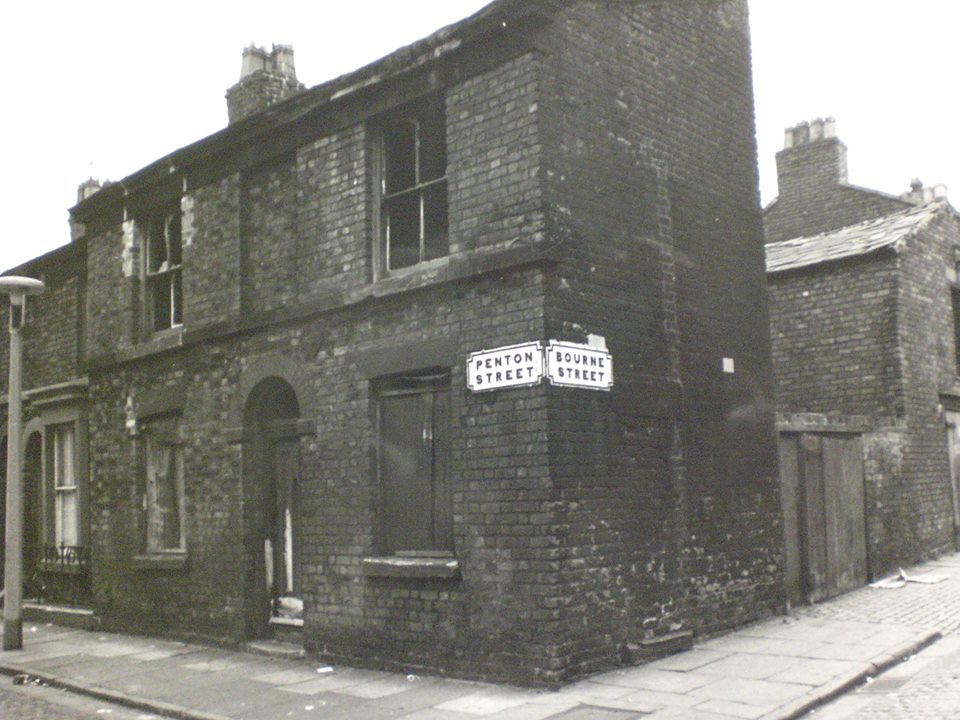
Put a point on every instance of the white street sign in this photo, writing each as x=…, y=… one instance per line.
x=582, y=366
x=512, y=366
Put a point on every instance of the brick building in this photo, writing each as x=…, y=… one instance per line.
x=314, y=349
x=864, y=316
x=54, y=431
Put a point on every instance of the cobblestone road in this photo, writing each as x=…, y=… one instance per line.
x=927, y=687
x=34, y=702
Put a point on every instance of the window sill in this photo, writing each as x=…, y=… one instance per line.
x=287, y=622
x=157, y=342
x=165, y=561
x=412, y=567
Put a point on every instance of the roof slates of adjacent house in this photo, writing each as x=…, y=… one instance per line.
x=851, y=241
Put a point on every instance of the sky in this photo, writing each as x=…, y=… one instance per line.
x=104, y=87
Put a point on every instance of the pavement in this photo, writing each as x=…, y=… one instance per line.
x=776, y=669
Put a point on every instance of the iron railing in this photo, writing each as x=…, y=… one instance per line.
x=58, y=574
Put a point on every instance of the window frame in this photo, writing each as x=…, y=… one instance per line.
x=425, y=115
x=431, y=390
x=167, y=430
x=54, y=432
x=162, y=275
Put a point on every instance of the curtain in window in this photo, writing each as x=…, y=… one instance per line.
x=67, y=506
x=164, y=470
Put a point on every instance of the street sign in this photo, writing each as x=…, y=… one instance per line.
x=505, y=367
x=582, y=366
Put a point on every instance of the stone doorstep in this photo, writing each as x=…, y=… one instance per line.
x=62, y=615
x=655, y=648
x=276, y=648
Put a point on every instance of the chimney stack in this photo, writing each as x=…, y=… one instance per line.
x=920, y=195
x=265, y=78
x=813, y=159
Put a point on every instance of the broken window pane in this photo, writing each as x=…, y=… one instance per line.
x=414, y=201
x=435, y=221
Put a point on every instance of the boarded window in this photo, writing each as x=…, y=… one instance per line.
x=413, y=186
x=413, y=429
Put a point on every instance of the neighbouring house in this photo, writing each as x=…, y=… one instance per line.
x=864, y=313
x=458, y=363
x=56, y=539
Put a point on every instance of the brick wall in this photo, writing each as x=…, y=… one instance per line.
x=834, y=332
x=52, y=335
x=918, y=523
x=582, y=520
x=674, y=281
x=873, y=336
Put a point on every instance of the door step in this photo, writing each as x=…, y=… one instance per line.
x=67, y=616
x=655, y=648
x=277, y=648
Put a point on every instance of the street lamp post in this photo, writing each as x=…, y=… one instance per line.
x=18, y=288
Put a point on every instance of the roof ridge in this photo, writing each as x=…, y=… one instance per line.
x=871, y=235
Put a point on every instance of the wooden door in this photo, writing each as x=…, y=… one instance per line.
x=823, y=510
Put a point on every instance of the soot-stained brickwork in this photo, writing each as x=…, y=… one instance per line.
x=863, y=308
x=601, y=188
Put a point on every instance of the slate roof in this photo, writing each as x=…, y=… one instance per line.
x=863, y=238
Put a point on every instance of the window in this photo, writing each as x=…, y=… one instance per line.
x=163, y=269
x=412, y=450
x=66, y=502
x=163, y=501
x=413, y=186
x=953, y=275
x=955, y=301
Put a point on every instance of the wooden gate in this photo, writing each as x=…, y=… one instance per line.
x=821, y=479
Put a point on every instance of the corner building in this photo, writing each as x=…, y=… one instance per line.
x=282, y=438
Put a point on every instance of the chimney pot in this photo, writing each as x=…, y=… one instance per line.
x=87, y=188
x=816, y=130
x=265, y=78
x=254, y=60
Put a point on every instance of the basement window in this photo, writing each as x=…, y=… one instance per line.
x=413, y=186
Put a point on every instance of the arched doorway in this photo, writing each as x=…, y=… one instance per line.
x=272, y=482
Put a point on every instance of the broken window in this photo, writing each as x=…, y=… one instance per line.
x=412, y=450
x=163, y=270
x=413, y=186
x=163, y=503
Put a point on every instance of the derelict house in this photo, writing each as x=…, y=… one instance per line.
x=458, y=363
x=865, y=313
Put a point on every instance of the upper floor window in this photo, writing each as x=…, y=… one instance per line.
x=955, y=307
x=163, y=269
x=413, y=185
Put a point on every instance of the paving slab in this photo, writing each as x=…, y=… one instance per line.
x=777, y=669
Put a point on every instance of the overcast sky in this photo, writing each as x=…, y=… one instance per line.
x=101, y=88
